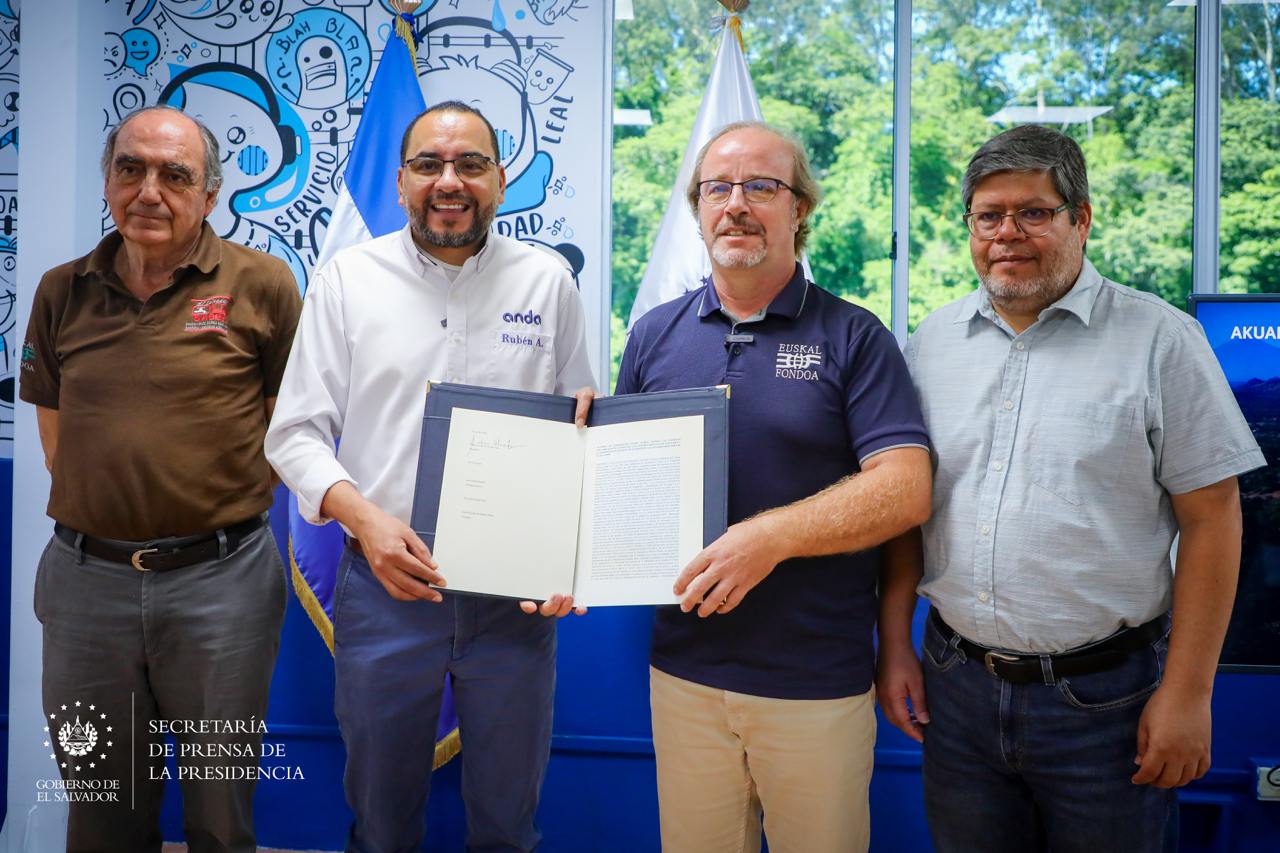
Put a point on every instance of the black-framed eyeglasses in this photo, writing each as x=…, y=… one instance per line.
x=1031, y=221
x=755, y=191
x=467, y=167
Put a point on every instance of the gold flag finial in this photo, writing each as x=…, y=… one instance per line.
x=734, y=22
x=404, y=26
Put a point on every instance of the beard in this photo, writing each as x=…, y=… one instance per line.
x=1042, y=291
x=738, y=259
x=481, y=219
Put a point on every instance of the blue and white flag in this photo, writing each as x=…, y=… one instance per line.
x=367, y=207
x=679, y=261
x=367, y=204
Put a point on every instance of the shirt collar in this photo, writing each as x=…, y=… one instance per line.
x=483, y=255
x=101, y=261
x=1079, y=300
x=788, y=303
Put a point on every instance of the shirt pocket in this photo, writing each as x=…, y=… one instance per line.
x=523, y=358
x=1079, y=448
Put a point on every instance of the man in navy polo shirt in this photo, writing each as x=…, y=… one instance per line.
x=761, y=681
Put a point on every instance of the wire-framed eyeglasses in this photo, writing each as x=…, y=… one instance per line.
x=755, y=190
x=1031, y=221
x=467, y=167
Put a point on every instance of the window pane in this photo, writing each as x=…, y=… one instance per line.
x=1249, y=248
x=822, y=70
x=1117, y=76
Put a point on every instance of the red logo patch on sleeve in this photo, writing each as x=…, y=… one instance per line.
x=209, y=314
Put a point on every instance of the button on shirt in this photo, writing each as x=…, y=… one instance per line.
x=818, y=386
x=379, y=322
x=1057, y=450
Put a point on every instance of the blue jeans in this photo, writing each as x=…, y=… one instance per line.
x=390, y=660
x=1025, y=767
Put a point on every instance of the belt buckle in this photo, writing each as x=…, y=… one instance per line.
x=990, y=659
x=136, y=559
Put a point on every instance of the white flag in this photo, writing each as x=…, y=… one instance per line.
x=679, y=259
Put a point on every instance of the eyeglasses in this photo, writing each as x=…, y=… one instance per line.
x=1031, y=221
x=755, y=191
x=467, y=167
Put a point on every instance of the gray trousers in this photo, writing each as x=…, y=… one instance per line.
x=129, y=656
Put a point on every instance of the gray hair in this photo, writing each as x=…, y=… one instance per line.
x=1031, y=148
x=212, y=161
x=804, y=187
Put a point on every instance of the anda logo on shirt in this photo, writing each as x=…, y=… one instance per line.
x=528, y=318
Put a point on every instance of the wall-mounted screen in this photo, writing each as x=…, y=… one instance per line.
x=1244, y=332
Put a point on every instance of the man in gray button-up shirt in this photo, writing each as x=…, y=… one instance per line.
x=1079, y=427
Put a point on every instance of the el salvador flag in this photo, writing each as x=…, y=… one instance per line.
x=367, y=207
x=367, y=204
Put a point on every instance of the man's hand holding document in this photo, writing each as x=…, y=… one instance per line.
x=528, y=505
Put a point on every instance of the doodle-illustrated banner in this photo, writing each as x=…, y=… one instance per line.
x=282, y=85
x=10, y=338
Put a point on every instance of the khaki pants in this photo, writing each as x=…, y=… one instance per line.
x=724, y=758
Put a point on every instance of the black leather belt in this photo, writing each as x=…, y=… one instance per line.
x=162, y=555
x=1026, y=668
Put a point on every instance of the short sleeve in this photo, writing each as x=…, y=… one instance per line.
x=881, y=408
x=41, y=371
x=1198, y=434
x=629, y=369
x=285, y=305
x=909, y=353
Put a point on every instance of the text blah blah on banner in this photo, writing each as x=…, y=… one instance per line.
x=282, y=85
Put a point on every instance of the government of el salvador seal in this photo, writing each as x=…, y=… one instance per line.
x=82, y=733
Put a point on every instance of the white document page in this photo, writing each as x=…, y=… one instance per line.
x=509, y=504
x=641, y=510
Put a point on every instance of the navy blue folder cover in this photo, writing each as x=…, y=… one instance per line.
x=442, y=397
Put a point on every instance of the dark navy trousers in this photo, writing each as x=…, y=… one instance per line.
x=391, y=658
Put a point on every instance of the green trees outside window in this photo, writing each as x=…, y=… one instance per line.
x=824, y=68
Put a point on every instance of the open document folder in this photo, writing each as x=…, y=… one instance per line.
x=515, y=500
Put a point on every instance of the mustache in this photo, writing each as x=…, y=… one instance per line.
x=454, y=197
x=738, y=225
x=151, y=212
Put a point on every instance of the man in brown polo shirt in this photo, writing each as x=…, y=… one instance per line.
x=153, y=363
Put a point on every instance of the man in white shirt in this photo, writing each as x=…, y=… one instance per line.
x=442, y=299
